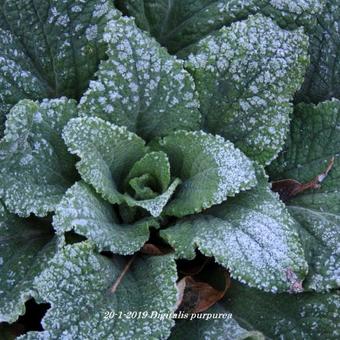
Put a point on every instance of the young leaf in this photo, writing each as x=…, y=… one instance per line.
x=150, y=180
x=83, y=210
x=78, y=271
x=322, y=81
x=141, y=86
x=214, y=324
x=49, y=48
x=35, y=167
x=210, y=169
x=107, y=153
x=246, y=76
x=286, y=316
x=252, y=235
x=25, y=249
x=313, y=141
x=177, y=23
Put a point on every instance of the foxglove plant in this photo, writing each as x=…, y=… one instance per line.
x=166, y=124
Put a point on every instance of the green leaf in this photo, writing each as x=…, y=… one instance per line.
x=177, y=23
x=35, y=167
x=157, y=166
x=107, y=153
x=150, y=180
x=141, y=86
x=314, y=139
x=216, y=323
x=322, y=80
x=286, y=316
x=210, y=169
x=79, y=272
x=83, y=210
x=246, y=76
x=49, y=48
x=319, y=232
x=252, y=235
x=25, y=249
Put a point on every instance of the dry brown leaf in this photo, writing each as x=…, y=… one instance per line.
x=197, y=297
x=155, y=250
x=288, y=188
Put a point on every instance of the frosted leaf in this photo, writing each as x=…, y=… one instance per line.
x=25, y=249
x=320, y=237
x=81, y=273
x=314, y=139
x=35, y=167
x=210, y=169
x=286, y=316
x=141, y=86
x=84, y=211
x=150, y=180
x=108, y=153
x=252, y=235
x=246, y=76
x=177, y=23
x=215, y=326
x=322, y=81
x=44, y=48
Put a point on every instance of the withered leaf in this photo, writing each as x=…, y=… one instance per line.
x=197, y=297
x=288, y=188
x=155, y=250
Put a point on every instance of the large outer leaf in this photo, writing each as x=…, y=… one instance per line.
x=35, y=167
x=177, y=23
x=305, y=316
x=107, y=153
x=217, y=327
x=322, y=81
x=83, y=210
x=141, y=86
x=252, y=235
x=314, y=139
x=210, y=169
x=246, y=76
x=25, y=249
x=77, y=285
x=49, y=48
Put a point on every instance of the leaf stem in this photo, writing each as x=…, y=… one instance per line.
x=122, y=274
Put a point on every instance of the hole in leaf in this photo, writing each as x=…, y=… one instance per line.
x=72, y=237
x=33, y=315
x=193, y=267
x=30, y=321
x=108, y=254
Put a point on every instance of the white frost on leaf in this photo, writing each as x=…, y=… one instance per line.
x=252, y=235
x=246, y=76
x=210, y=168
x=35, y=167
x=85, y=212
x=80, y=272
x=140, y=85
